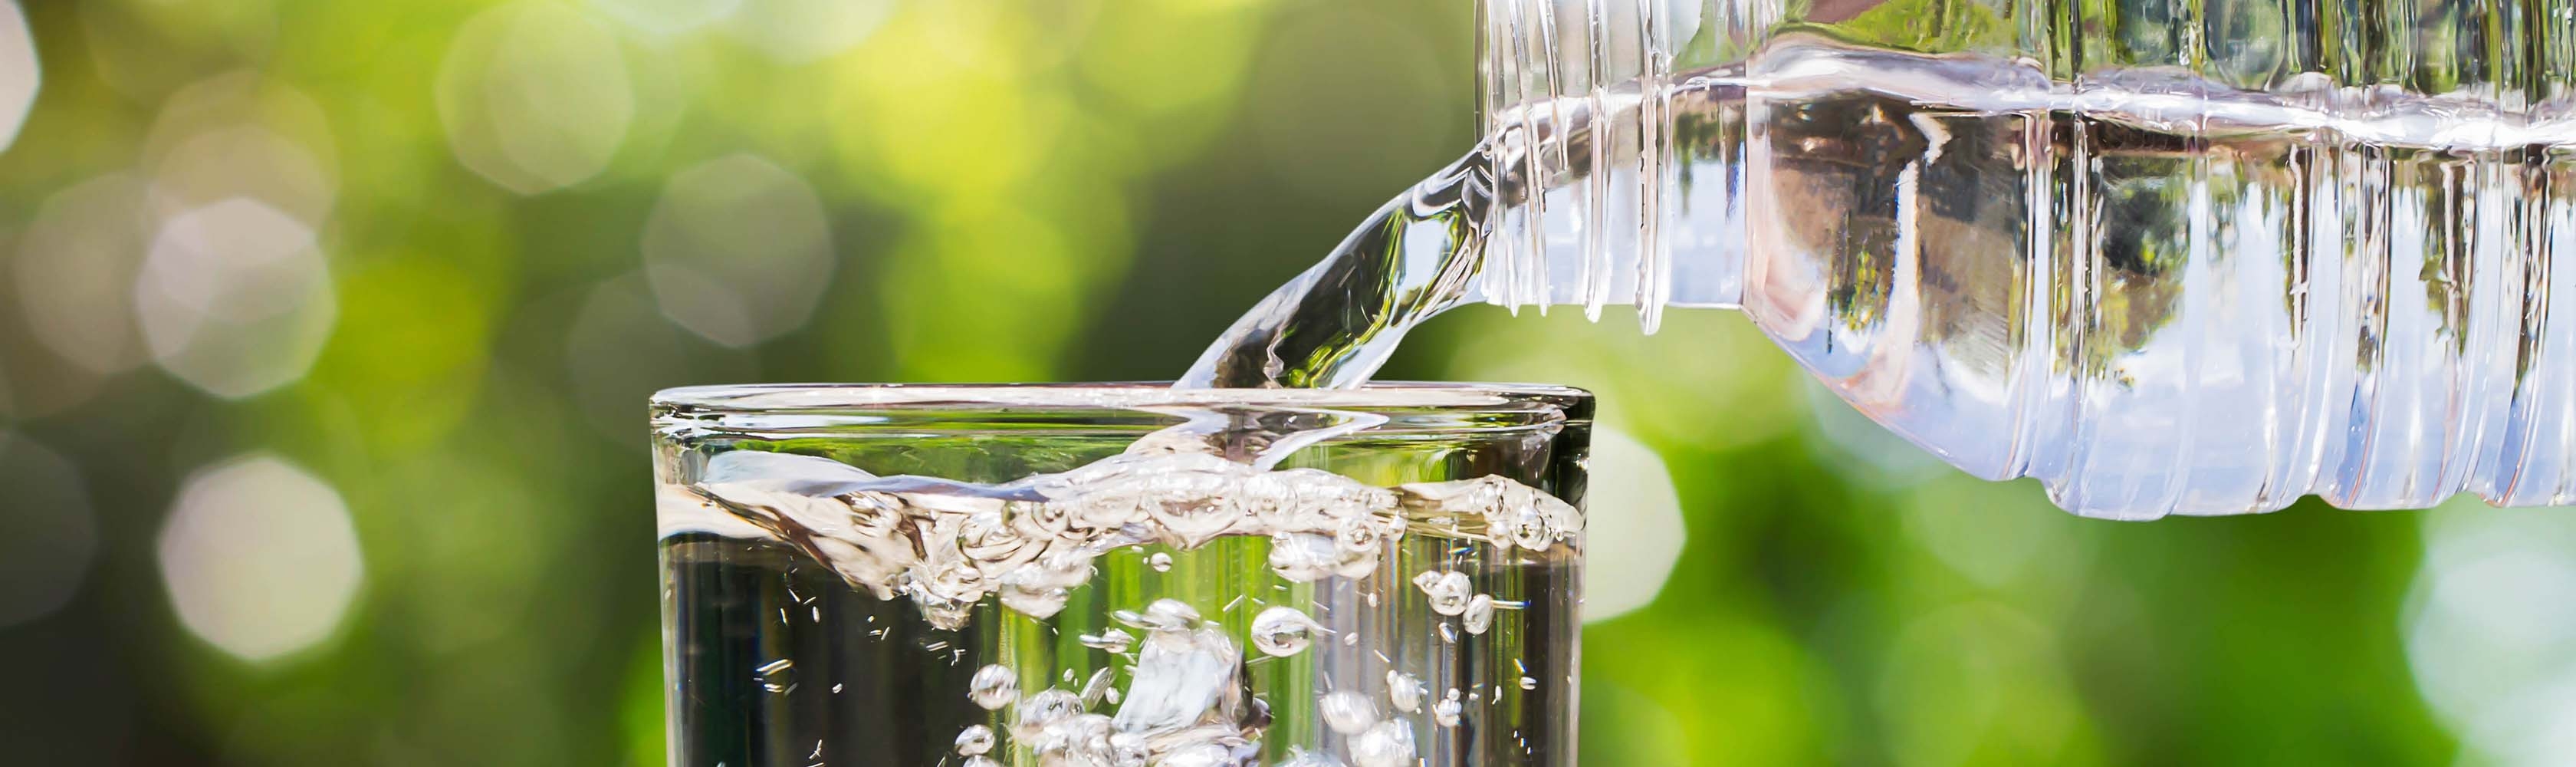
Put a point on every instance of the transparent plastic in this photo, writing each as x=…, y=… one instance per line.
x=2186, y=257
x=1121, y=574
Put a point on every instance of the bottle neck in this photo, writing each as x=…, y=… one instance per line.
x=1617, y=158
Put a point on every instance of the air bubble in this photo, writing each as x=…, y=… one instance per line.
x=1200, y=755
x=1347, y=711
x=1112, y=641
x=1445, y=712
x=1479, y=615
x=1162, y=615
x=1404, y=691
x=993, y=687
x=976, y=740
x=1389, y=744
x=1042, y=711
x=1298, y=757
x=1098, y=687
x=1161, y=562
x=1282, y=631
x=1448, y=590
x=1304, y=557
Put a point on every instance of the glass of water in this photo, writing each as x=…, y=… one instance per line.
x=1120, y=574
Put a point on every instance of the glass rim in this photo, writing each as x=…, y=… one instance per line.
x=1114, y=395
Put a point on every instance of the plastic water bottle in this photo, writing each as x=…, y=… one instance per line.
x=2180, y=257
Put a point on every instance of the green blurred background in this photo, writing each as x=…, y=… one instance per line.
x=327, y=328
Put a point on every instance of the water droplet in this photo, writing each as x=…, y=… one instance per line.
x=1282, y=631
x=1047, y=708
x=1445, y=712
x=1113, y=641
x=993, y=687
x=976, y=740
x=1389, y=744
x=1404, y=691
x=1448, y=590
x=1347, y=711
x=1479, y=615
x=1529, y=683
x=1160, y=561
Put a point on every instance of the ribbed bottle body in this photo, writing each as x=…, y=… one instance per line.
x=2197, y=258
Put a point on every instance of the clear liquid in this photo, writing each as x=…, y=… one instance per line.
x=2158, y=289
x=1162, y=606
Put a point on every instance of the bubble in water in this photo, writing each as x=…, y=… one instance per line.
x=1162, y=615
x=1304, y=557
x=981, y=761
x=1445, y=712
x=1046, y=709
x=1127, y=749
x=1040, y=589
x=976, y=740
x=1298, y=757
x=1098, y=687
x=1530, y=529
x=1479, y=615
x=1282, y=631
x=993, y=687
x=1198, y=755
x=1358, y=542
x=1076, y=739
x=1404, y=691
x=1161, y=562
x=1389, y=744
x=1183, y=679
x=1347, y=711
x=1448, y=590
x=1113, y=641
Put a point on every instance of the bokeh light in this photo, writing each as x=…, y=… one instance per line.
x=20, y=75
x=535, y=96
x=738, y=250
x=2492, y=636
x=799, y=31
x=1979, y=683
x=259, y=557
x=663, y=18
x=240, y=135
x=48, y=535
x=1634, y=532
x=75, y=270
x=235, y=298
x=1861, y=449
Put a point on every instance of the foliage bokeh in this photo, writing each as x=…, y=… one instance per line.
x=431, y=256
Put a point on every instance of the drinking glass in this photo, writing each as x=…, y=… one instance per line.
x=1120, y=574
